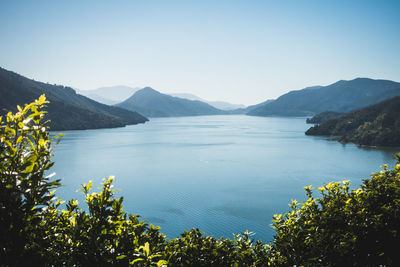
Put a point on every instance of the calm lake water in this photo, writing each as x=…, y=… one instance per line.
x=221, y=174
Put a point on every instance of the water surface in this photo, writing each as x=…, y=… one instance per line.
x=222, y=174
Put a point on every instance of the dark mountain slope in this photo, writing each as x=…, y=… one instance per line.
x=246, y=110
x=67, y=110
x=342, y=96
x=377, y=125
x=152, y=103
x=324, y=116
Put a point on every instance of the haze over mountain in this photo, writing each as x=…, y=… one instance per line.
x=67, y=109
x=187, y=96
x=377, y=125
x=246, y=110
x=342, y=96
x=152, y=103
x=109, y=95
x=217, y=104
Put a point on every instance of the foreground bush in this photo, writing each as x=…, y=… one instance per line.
x=25, y=151
x=342, y=227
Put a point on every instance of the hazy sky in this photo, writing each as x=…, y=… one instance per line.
x=239, y=51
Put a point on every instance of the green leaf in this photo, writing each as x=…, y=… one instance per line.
x=121, y=257
x=136, y=260
x=162, y=263
x=30, y=168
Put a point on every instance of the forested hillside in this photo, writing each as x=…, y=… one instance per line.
x=376, y=125
x=67, y=110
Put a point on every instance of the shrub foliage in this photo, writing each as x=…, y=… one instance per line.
x=341, y=227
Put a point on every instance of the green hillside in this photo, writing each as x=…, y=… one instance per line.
x=376, y=125
x=67, y=110
x=324, y=116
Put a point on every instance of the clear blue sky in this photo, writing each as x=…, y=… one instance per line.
x=239, y=51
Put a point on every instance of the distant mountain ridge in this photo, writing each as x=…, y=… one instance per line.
x=342, y=96
x=376, y=125
x=109, y=95
x=216, y=104
x=67, y=110
x=248, y=109
x=152, y=103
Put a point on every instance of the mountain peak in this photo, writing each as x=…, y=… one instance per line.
x=358, y=79
x=146, y=90
x=155, y=104
x=342, y=96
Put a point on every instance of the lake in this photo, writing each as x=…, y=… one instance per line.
x=221, y=174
